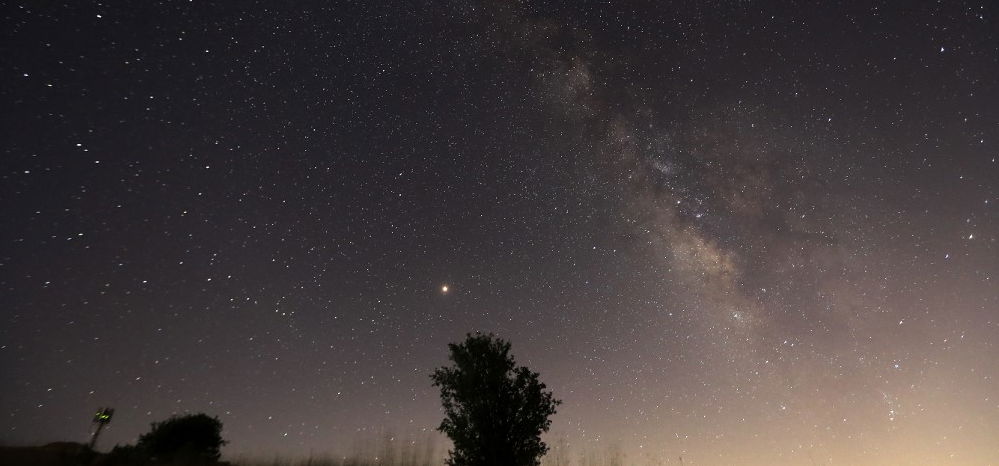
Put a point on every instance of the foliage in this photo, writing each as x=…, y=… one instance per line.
x=495, y=412
x=195, y=438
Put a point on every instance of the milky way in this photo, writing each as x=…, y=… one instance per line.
x=739, y=232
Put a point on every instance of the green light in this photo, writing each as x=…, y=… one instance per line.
x=102, y=416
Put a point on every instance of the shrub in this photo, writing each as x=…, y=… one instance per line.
x=195, y=438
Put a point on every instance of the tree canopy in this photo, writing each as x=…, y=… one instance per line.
x=495, y=412
x=193, y=438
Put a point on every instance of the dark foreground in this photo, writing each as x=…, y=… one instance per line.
x=77, y=454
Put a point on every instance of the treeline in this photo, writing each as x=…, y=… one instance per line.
x=495, y=414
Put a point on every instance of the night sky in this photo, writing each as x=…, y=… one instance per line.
x=743, y=232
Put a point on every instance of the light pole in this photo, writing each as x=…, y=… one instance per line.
x=102, y=418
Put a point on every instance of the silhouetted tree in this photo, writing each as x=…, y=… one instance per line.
x=495, y=412
x=194, y=438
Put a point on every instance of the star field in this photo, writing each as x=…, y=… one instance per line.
x=738, y=232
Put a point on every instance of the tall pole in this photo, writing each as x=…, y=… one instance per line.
x=97, y=432
x=102, y=418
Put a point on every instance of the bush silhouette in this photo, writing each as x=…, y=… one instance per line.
x=495, y=412
x=194, y=438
